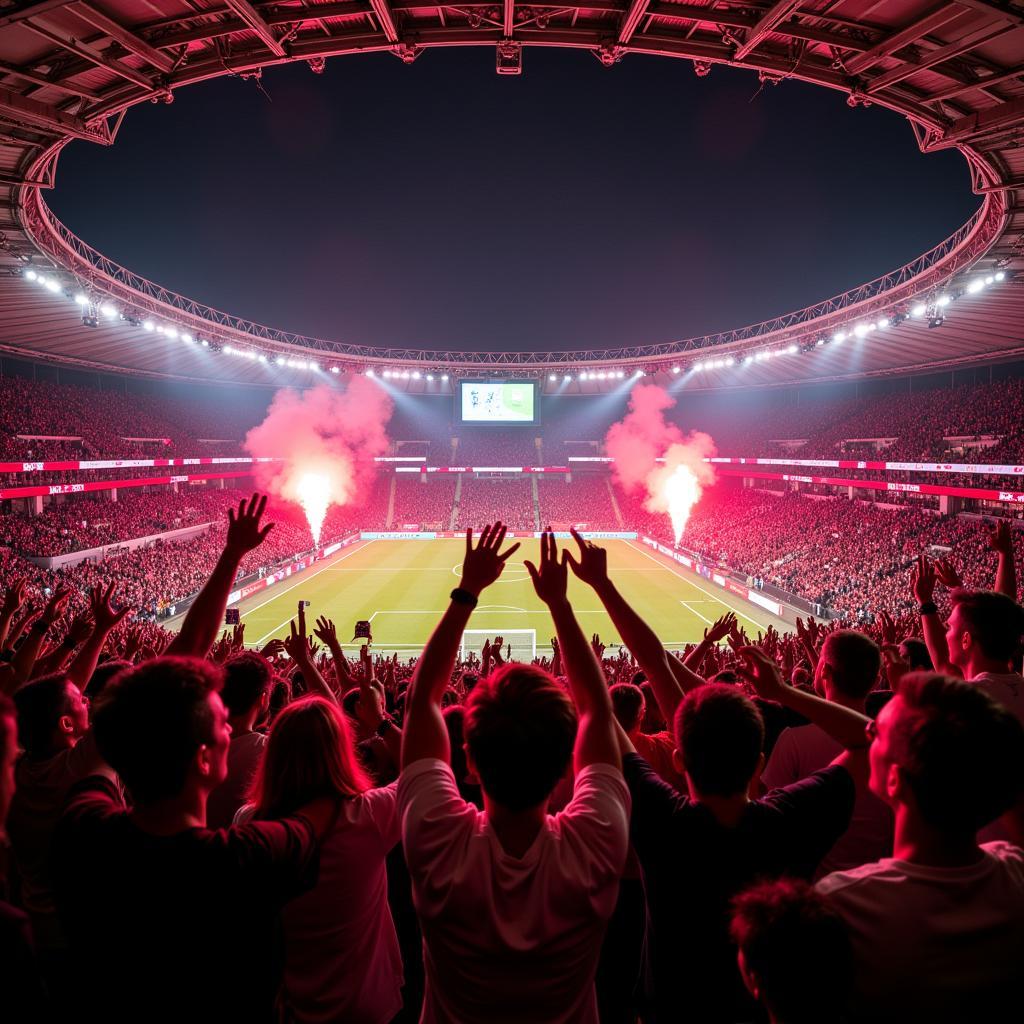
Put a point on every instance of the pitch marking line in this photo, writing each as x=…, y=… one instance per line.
x=688, y=605
x=713, y=596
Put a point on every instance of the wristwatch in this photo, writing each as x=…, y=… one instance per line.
x=928, y=608
x=460, y=596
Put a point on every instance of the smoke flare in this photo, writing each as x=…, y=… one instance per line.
x=643, y=437
x=326, y=440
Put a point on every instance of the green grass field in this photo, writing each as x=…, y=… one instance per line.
x=402, y=587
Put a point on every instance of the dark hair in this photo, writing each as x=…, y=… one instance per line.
x=855, y=661
x=995, y=621
x=627, y=704
x=152, y=719
x=247, y=677
x=454, y=722
x=280, y=695
x=962, y=753
x=520, y=728
x=727, y=675
x=40, y=705
x=104, y=673
x=797, y=947
x=7, y=710
x=916, y=653
x=720, y=735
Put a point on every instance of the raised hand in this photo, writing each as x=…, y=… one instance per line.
x=888, y=627
x=78, y=630
x=551, y=578
x=597, y=647
x=894, y=665
x=56, y=605
x=483, y=564
x=244, y=530
x=272, y=648
x=721, y=628
x=592, y=566
x=326, y=632
x=296, y=643
x=947, y=575
x=922, y=579
x=762, y=673
x=14, y=598
x=238, y=637
x=1000, y=537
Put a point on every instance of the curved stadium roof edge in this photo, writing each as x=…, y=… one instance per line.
x=955, y=70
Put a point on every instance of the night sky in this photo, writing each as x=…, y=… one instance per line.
x=439, y=205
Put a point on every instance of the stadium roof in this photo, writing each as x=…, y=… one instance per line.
x=955, y=69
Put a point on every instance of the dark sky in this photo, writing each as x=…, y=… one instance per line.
x=440, y=205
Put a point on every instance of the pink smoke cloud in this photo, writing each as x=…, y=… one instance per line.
x=335, y=434
x=641, y=438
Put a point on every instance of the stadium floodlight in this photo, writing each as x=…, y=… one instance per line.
x=148, y=325
x=583, y=375
x=444, y=377
x=172, y=332
x=279, y=360
x=369, y=373
x=205, y=343
x=263, y=358
x=621, y=374
x=1000, y=275
x=82, y=300
x=405, y=375
x=415, y=374
x=552, y=378
x=883, y=323
x=820, y=342
x=602, y=375
x=108, y=310
x=839, y=337
x=187, y=337
x=860, y=330
x=675, y=369
x=335, y=369
x=639, y=373
x=989, y=279
x=30, y=275
x=976, y=285
x=567, y=378
x=697, y=367
x=52, y=285
x=314, y=366
x=730, y=361
x=792, y=350
x=942, y=300
x=919, y=310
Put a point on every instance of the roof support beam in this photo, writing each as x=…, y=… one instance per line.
x=994, y=119
x=980, y=83
x=128, y=40
x=905, y=69
x=254, y=20
x=631, y=19
x=23, y=110
x=45, y=83
x=508, y=18
x=53, y=34
x=934, y=19
x=387, y=19
x=778, y=12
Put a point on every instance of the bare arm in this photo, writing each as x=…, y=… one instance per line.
x=13, y=600
x=1001, y=541
x=425, y=735
x=24, y=661
x=596, y=740
x=104, y=619
x=669, y=678
x=297, y=646
x=923, y=581
x=199, y=630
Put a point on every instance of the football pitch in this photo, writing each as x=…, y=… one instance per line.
x=402, y=588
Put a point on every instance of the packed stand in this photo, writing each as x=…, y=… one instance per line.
x=586, y=503
x=496, y=447
x=426, y=504
x=484, y=500
x=820, y=827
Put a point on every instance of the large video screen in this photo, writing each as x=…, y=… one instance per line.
x=498, y=401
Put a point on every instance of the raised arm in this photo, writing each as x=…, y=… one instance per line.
x=20, y=668
x=596, y=740
x=712, y=635
x=1000, y=539
x=104, y=619
x=13, y=600
x=846, y=726
x=199, y=630
x=297, y=646
x=425, y=734
x=922, y=582
x=669, y=677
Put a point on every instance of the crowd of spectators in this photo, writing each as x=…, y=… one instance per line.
x=425, y=503
x=493, y=447
x=821, y=827
x=585, y=503
x=487, y=499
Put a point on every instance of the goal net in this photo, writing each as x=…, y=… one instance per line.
x=523, y=642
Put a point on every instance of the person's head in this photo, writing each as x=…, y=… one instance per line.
x=104, y=673
x=914, y=651
x=653, y=721
x=984, y=628
x=801, y=677
x=947, y=752
x=793, y=950
x=247, y=680
x=52, y=715
x=309, y=754
x=164, y=729
x=719, y=740
x=520, y=728
x=727, y=677
x=8, y=754
x=848, y=666
x=628, y=705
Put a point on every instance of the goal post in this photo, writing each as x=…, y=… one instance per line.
x=523, y=641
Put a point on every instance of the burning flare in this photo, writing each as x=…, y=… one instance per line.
x=680, y=490
x=314, y=493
